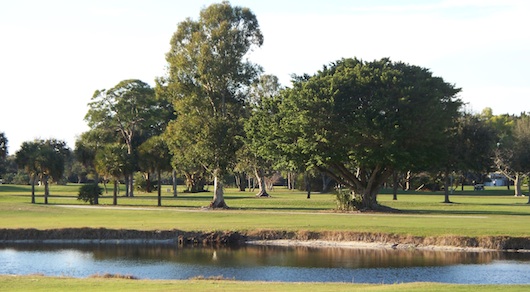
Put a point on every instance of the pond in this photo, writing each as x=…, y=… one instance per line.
x=269, y=263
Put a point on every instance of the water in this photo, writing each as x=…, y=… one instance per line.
x=265, y=263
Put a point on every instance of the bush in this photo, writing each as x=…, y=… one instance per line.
x=90, y=193
x=346, y=201
x=20, y=178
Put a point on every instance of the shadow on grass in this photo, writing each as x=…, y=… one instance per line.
x=518, y=212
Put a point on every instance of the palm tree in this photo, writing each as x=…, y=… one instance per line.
x=45, y=159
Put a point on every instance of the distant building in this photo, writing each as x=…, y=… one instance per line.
x=497, y=179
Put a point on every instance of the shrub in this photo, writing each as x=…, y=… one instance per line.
x=346, y=201
x=90, y=193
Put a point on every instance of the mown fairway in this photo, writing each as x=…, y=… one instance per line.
x=490, y=212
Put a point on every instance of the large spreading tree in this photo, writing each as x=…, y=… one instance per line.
x=358, y=121
x=209, y=76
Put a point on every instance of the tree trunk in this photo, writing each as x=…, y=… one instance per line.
x=369, y=199
x=446, y=187
x=326, y=180
x=96, y=181
x=218, y=193
x=46, y=189
x=174, y=177
x=33, y=189
x=407, y=180
x=261, y=183
x=126, y=178
x=159, y=184
x=394, y=185
x=528, y=191
x=105, y=186
x=517, y=184
x=148, y=187
x=115, y=195
x=291, y=180
x=240, y=179
x=307, y=181
x=131, y=185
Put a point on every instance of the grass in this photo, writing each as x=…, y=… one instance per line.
x=423, y=214
x=35, y=282
x=485, y=213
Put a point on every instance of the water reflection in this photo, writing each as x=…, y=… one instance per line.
x=267, y=263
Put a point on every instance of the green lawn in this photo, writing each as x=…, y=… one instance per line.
x=491, y=212
x=39, y=283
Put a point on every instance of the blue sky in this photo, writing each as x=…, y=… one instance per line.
x=54, y=54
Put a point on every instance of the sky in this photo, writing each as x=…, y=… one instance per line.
x=54, y=54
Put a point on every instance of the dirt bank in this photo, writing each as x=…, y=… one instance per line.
x=226, y=238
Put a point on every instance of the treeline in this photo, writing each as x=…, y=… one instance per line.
x=216, y=117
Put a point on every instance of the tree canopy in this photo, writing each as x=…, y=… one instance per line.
x=131, y=110
x=358, y=121
x=44, y=159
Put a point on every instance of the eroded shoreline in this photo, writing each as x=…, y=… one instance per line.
x=338, y=239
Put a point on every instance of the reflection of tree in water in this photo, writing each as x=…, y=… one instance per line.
x=252, y=256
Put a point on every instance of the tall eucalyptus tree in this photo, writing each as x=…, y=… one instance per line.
x=209, y=76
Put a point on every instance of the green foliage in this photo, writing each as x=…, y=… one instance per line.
x=3, y=145
x=3, y=152
x=113, y=161
x=90, y=193
x=154, y=156
x=19, y=178
x=358, y=121
x=344, y=201
x=45, y=159
x=209, y=76
x=131, y=109
x=140, y=183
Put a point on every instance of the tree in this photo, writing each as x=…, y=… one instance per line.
x=154, y=156
x=113, y=161
x=90, y=193
x=45, y=159
x=512, y=156
x=470, y=149
x=209, y=76
x=26, y=158
x=357, y=121
x=3, y=152
x=267, y=87
x=128, y=109
x=86, y=148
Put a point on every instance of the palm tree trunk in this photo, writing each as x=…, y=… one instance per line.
x=446, y=187
x=174, y=177
x=115, y=195
x=159, y=184
x=46, y=190
x=33, y=188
